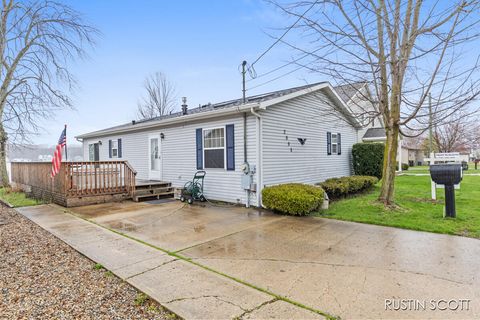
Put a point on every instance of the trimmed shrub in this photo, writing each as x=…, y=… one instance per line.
x=293, y=198
x=341, y=187
x=368, y=159
x=404, y=167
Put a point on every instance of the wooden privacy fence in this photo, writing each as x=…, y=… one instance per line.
x=78, y=179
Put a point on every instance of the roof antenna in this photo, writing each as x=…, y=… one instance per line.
x=244, y=72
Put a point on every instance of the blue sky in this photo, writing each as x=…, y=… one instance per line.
x=198, y=45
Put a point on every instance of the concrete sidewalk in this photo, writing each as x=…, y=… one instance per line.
x=346, y=269
x=189, y=290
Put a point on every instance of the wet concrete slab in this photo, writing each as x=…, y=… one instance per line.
x=199, y=293
x=350, y=269
x=189, y=290
x=174, y=225
x=111, y=250
x=346, y=269
x=279, y=310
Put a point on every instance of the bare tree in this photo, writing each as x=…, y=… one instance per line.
x=405, y=49
x=459, y=135
x=38, y=39
x=159, y=99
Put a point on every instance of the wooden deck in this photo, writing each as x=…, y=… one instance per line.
x=77, y=183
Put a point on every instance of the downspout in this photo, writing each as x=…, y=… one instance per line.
x=259, y=156
x=247, y=192
x=245, y=137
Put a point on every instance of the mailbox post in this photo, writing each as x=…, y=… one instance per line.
x=449, y=175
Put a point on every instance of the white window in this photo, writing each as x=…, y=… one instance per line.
x=114, y=148
x=334, y=143
x=214, y=148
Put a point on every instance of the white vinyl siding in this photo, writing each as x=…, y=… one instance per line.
x=178, y=153
x=285, y=159
x=308, y=117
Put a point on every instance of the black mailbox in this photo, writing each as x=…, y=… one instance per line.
x=449, y=175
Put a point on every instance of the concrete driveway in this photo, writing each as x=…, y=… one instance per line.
x=346, y=269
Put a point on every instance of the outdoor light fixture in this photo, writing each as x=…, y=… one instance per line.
x=100, y=142
x=162, y=136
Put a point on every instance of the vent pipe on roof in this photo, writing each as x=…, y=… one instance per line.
x=184, y=106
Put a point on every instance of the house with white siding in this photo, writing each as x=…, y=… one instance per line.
x=303, y=134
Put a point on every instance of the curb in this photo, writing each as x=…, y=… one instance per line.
x=5, y=202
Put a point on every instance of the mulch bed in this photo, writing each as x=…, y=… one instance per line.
x=41, y=277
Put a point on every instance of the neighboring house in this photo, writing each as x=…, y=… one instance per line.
x=358, y=98
x=303, y=134
x=407, y=151
x=413, y=156
x=412, y=153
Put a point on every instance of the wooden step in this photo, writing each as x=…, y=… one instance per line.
x=153, y=185
x=161, y=195
x=142, y=192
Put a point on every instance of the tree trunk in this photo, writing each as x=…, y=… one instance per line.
x=389, y=164
x=3, y=159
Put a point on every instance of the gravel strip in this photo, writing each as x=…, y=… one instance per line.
x=41, y=277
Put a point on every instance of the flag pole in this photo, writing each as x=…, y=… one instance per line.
x=66, y=152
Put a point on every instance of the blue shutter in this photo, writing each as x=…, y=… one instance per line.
x=119, y=148
x=230, y=134
x=339, y=143
x=199, y=149
x=329, y=143
x=110, y=148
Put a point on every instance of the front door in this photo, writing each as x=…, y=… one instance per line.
x=94, y=152
x=155, y=161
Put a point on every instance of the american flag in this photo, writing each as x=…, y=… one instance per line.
x=57, y=156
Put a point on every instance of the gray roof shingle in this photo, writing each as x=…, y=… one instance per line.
x=375, y=133
x=345, y=92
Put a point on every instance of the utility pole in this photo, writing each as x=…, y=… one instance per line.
x=244, y=72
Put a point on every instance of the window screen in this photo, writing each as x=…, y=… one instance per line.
x=334, y=143
x=214, y=148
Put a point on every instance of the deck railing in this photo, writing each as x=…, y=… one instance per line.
x=77, y=179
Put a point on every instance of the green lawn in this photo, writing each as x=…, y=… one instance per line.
x=17, y=199
x=416, y=210
x=418, y=169
x=425, y=169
